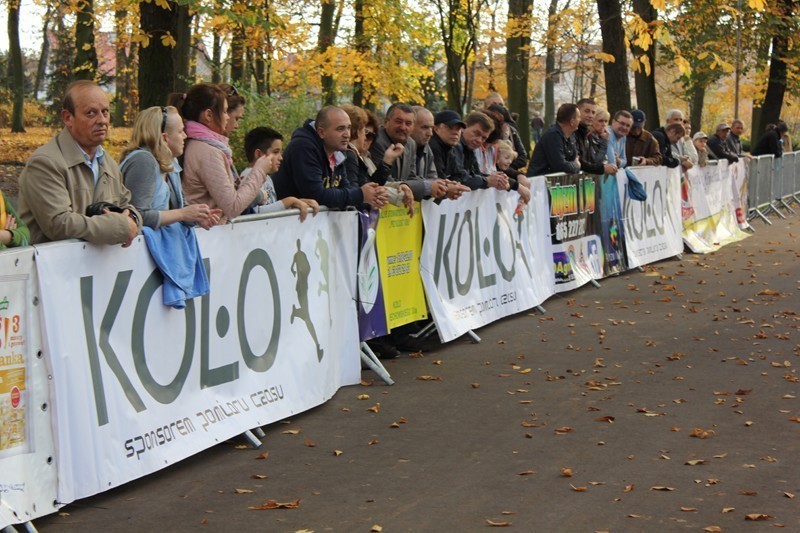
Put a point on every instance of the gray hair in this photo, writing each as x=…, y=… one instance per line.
x=672, y=113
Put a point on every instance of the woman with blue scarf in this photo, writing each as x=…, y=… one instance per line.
x=151, y=171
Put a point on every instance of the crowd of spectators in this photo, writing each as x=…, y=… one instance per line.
x=177, y=171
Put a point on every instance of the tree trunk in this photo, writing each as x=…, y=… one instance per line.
x=122, y=68
x=362, y=47
x=183, y=49
x=16, y=70
x=517, y=63
x=550, y=66
x=453, y=73
x=157, y=62
x=63, y=58
x=85, y=51
x=237, y=56
x=697, y=98
x=44, y=53
x=216, y=59
x=646, y=82
x=776, y=87
x=618, y=91
x=324, y=41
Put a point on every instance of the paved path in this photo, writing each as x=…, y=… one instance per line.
x=609, y=385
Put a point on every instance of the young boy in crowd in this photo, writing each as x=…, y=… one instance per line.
x=262, y=141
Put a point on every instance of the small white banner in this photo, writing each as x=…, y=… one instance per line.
x=485, y=256
x=139, y=386
x=27, y=454
x=652, y=227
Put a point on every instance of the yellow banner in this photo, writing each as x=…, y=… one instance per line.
x=399, y=242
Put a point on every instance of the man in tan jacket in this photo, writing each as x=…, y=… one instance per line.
x=72, y=171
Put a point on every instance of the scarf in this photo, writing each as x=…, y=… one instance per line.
x=200, y=132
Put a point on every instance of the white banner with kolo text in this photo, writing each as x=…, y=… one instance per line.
x=139, y=386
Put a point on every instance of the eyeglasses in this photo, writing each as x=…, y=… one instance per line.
x=163, y=119
x=370, y=135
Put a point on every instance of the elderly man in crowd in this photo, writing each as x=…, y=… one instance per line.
x=700, y=141
x=557, y=150
x=668, y=138
x=466, y=170
x=640, y=147
x=734, y=140
x=718, y=145
x=72, y=172
x=313, y=165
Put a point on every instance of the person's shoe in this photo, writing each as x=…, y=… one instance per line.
x=383, y=349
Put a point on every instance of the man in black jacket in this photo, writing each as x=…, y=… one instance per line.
x=588, y=109
x=770, y=142
x=313, y=165
x=718, y=146
x=557, y=151
x=666, y=137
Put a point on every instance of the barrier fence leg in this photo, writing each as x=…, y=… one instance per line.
x=252, y=439
x=29, y=527
x=679, y=257
x=782, y=203
x=474, y=336
x=757, y=213
x=540, y=309
x=259, y=433
x=424, y=332
x=594, y=282
x=771, y=207
x=369, y=358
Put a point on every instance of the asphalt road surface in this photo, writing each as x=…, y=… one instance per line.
x=667, y=400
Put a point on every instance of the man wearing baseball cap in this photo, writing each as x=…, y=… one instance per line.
x=719, y=147
x=700, y=141
x=640, y=147
x=447, y=128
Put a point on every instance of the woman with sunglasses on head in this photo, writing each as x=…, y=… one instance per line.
x=208, y=174
x=150, y=170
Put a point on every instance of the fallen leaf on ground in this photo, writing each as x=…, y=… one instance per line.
x=659, y=487
x=373, y=441
x=757, y=516
x=695, y=462
x=363, y=396
x=577, y=489
x=337, y=453
x=476, y=385
x=712, y=529
x=365, y=383
x=688, y=509
x=272, y=504
x=566, y=472
x=376, y=529
x=728, y=509
x=609, y=419
x=263, y=455
x=789, y=495
x=429, y=378
x=291, y=432
x=702, y=433
x=259, y=476
x=526, y=473
x=497, y=524
x=748, y=492
x=628, y=488
x=561, y=430
x=375, y=408
x=309, y=443
x=243, y=491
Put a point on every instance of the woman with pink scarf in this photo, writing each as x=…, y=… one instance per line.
x=208, y=163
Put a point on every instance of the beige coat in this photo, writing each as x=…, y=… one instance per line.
x=57, y=186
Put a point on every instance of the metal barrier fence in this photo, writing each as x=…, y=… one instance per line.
x=774, y=185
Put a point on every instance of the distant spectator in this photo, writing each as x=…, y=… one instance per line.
x=236, y=104
x=700, y=141
x=510, y=133
x=770, y=142
x=517, y=181
x=313, y=165
x=266, y=142
x=422, y=133
x=787, y=139
x=687, y=145
x=537, y=125
x=618, y=137
x=447, y=126
x=734, y=140
x=150, y=170
x=718, y=146
x=597, y=140
x=588, y=110
x=675, y=116
x=667, y=138
x=13, y=231
x=640, y=147
x=209, y=176
x=467, y=172
x=71, y=172
x=557, y=150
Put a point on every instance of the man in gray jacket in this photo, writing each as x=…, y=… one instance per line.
x=71, y=172
x=396, y=130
